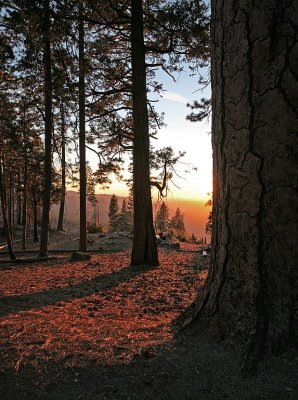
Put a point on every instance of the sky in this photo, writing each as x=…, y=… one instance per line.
x=182, y=135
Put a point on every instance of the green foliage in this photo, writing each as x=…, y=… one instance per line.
x=177, y=226
x=120, y=221
x=170, y=227
x=91, y=197
x=113, y=214
x=203, y=108
x=123, y=223
x=130, y=209
x=162, y=219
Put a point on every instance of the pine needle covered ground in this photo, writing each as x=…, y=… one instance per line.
x=99, y=329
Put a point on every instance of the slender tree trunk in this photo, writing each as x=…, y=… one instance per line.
x=19, y=200
x=48, y=133
x=4, y=213
x=144, y=250
x=13, y=193
x=82, y=133
x=94, y=214
x=63, y=177
x=35, y=217
x=25, y=195
x=251, y=289
x=10, y=209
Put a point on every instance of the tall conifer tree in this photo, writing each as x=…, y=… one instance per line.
x=144, y=250
x=47, y=64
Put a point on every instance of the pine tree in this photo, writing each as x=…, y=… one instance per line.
x=162, y=219
x=90, y=191
x=177, y=224
x=130, y=209
x=123, y=218
x=113, y=214
x=82, y=131
x=48, y=94
x=144, y=249
x=102, y=72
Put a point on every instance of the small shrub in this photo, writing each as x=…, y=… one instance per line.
x=92, y=228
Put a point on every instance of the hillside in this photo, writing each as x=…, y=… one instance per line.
x=195, y=212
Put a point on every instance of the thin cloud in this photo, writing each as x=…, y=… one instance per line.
x=175, y=97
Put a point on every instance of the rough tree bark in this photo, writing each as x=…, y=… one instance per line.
x=44, y=232
x=251, y=289
x=144, y=250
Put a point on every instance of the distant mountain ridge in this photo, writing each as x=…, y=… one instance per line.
x=195, y=212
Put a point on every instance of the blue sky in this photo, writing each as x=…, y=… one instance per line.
x=182, y=135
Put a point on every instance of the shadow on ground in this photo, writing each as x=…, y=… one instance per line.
x=14, y=304
x=191, y=368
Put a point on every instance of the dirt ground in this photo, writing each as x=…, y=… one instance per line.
x=99, y=329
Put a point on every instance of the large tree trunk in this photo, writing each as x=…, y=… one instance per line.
x=144, y=250
x=251, y=289
x=63, y=185
x=44, y=233
x=82, y=133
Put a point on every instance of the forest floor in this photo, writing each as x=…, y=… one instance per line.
x=99, y=329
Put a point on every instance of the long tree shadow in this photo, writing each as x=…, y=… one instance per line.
x=194, y=367
x=13, y=304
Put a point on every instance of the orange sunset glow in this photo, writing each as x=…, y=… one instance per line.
x=96, y=312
